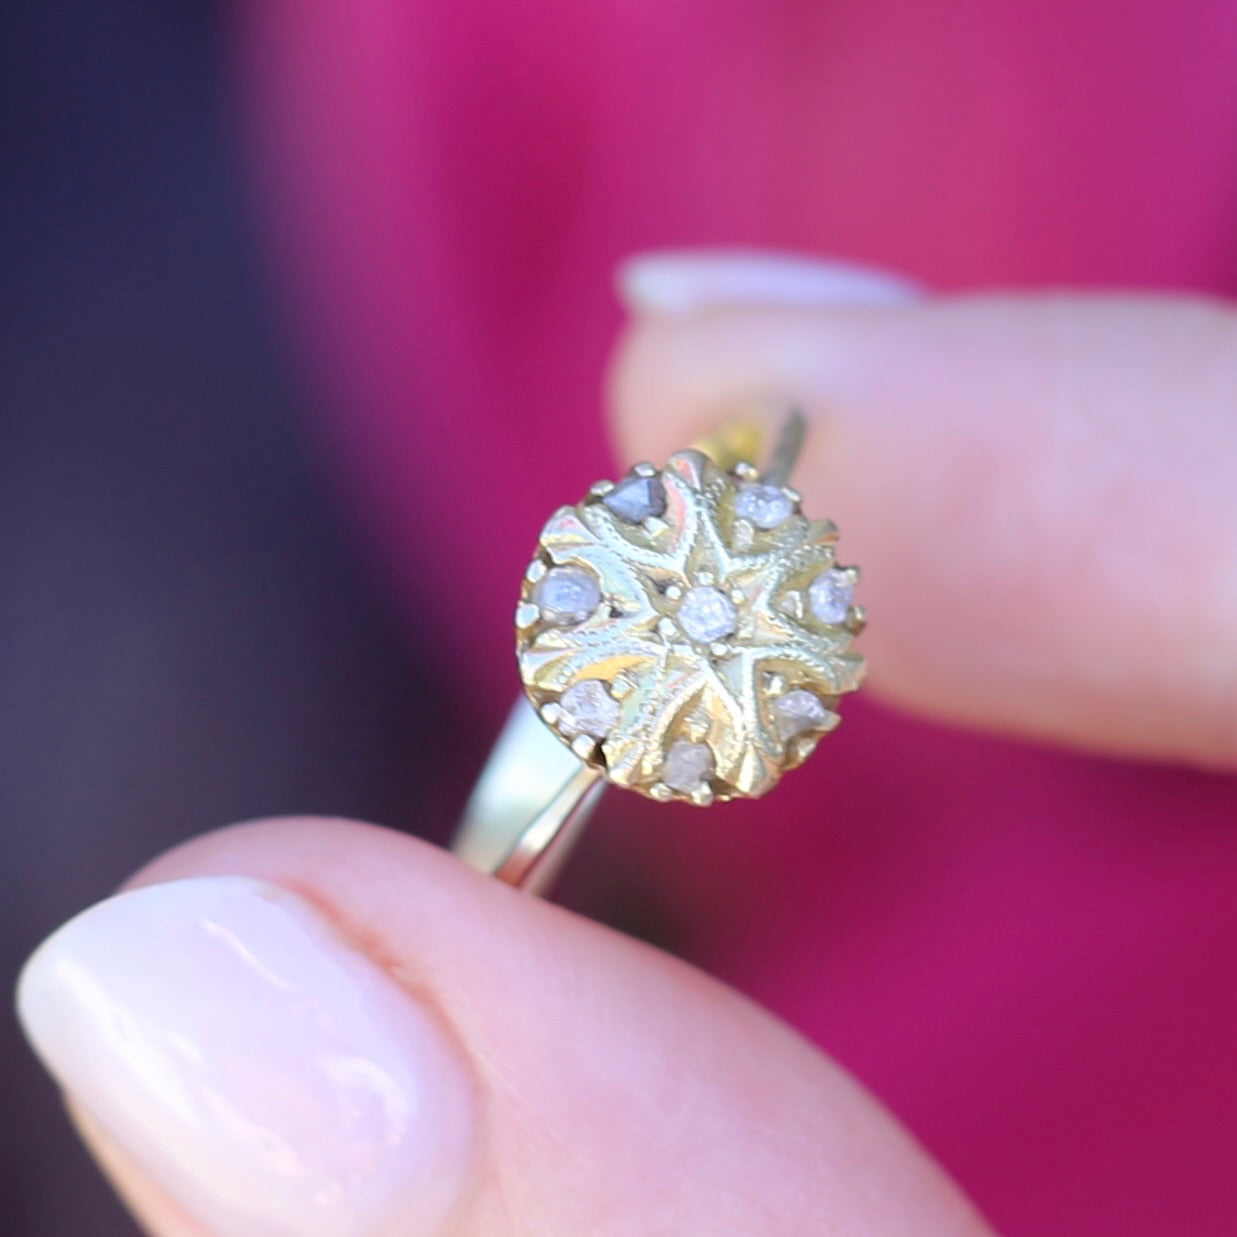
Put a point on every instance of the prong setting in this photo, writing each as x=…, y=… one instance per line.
x=650, y=605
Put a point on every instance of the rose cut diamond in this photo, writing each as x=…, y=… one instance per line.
x=796, y=711
x=707, y=614
x=566, y=595
x=829, y=596
x=636, y=499
x=687, y=766
x=766, y=506
x=588, y=708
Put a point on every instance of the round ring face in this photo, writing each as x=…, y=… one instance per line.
x=687, y=631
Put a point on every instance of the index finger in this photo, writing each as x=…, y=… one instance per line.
x=1041, y=492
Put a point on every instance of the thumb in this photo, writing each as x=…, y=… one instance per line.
x=323, y=1029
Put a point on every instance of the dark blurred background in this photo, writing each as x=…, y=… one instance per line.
x=187, y=636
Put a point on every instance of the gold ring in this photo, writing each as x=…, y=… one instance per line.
x=684, y=632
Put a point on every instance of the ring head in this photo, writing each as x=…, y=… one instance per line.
x=687, y=631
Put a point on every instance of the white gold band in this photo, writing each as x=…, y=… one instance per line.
x=531, y=802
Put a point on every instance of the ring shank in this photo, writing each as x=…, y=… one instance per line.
x=529, y=805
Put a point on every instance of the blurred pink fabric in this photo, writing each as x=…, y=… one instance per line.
x=1029, y=956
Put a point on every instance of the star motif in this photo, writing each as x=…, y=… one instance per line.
x=702, y=626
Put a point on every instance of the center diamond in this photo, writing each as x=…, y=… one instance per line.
x=707, y=614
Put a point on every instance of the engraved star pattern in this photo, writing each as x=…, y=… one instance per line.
x=669, y=686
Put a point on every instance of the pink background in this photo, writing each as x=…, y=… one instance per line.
x=1029, y=956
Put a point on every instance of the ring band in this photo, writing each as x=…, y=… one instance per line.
x=529, y=805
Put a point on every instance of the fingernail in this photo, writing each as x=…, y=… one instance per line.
x=263, y=1073
x=685, y=282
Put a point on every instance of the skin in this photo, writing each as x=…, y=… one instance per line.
x=980, y=455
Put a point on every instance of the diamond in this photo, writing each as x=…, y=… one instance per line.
x=566, y=595
x=707, y=614
x=766, y=506
x=637, y=498
x=829, y=596
x=796, y=711
x=588, y=708
x=687, y=766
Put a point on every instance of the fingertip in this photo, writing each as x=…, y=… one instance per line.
x=1038, y=489
x=614, y=1086
x=214, y=1029
x=156, y=1214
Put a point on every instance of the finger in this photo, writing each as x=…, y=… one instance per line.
x=319, y=1028
x=1042, y=493
x=150, y=1206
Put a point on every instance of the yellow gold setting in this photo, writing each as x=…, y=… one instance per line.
x=687, y=632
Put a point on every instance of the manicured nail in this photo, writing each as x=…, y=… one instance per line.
x=684, y=282
x=260, y=1071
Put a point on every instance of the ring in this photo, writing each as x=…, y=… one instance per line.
x=684, y=632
